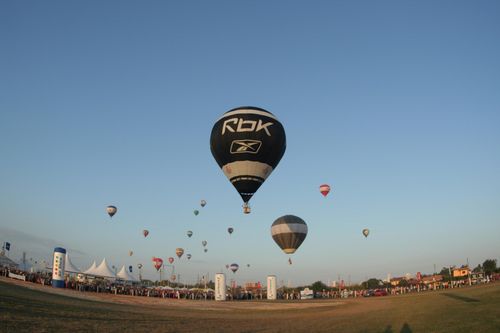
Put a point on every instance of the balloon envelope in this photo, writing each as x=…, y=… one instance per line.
x=204, y=243
x=324, y=189
x=203, y=203
x=145, y=233
x=179, y=252
x=189, y=233
x=366, y=232
x=234, y=267
x=157, y=263
x=247, y=144
x=188, y=256
x=170, y=259
x=289, y=232
x=196, y=212
x=230, y=230
x=111, y=210
x=130, y=253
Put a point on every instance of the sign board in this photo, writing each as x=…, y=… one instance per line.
x=220, y=287
x=271, y=287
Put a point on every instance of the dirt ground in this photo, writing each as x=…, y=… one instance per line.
x=27, y=307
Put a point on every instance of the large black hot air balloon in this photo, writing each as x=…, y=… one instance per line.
x=289, y=232
x=247, y=143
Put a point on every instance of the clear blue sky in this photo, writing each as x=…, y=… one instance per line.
x=395, y=104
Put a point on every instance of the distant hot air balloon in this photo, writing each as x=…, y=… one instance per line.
x=130, y=269
x=139, y=266
x=227, y=266
x=172, y=277
x=196, y=212
x=289, y=232
x=130, y=253
x=230, y=230
x=170, y=260
x=204, y=243
x=203, y=203
x=111, y=210
x=324, y=189
x=234, y=267
x=157, y=262
x=206, y=250
x=179, y=252
x=188, y=256
x=145, y=233
x=366, y=232
x=248, y=265
x=247, y=144
x=189, y=233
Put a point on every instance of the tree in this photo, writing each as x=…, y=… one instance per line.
x=490, y=266
x=372, y=283
x=478, y=269
x=403, y=283
x=318, y=286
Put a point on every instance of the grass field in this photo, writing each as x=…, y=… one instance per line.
x=25, y=307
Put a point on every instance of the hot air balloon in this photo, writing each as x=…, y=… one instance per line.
x=234, y=267
x=230, y=230
x=196, y=212
x=248, y=265
x=227, y=266
x=179, y=252
x=170, y=260
x=289, y=232
x=139, y=266
x=111, y=210
x=130, y=269
x=189, y=233
x=206, y=250
x=145, y=233
x=247, y=144
x=203, y=203
x=204, y=243
x=324, y=189
x=130, y=253
x=366, y=232
x=188, y=256
x=157, y=262
x=172, y=277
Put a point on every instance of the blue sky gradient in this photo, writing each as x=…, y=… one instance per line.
x=395, y=104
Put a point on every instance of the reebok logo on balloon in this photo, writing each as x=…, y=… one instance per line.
x=245, y=125
x=245, y=146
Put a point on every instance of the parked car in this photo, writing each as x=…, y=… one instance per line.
x=369, y=293
x=380, y=292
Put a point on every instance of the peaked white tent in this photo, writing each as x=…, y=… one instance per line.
x=91, y=269
x=103, y=270
x=68, y=265
x=125, y=275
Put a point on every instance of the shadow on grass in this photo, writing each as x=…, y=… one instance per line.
x=461, y=298
x=405, y=329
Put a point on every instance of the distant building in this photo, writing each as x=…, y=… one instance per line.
x=461, y=272
x=395, y=281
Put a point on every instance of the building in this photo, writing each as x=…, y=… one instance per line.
x=395, y=281
x=461, y=272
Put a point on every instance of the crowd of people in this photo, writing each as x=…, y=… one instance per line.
x=117, y=287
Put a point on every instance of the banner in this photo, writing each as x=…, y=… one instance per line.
x=17, y=276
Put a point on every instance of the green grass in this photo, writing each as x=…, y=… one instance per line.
x=475, y=309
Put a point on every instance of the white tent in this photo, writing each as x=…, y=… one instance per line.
x=125, y=275
x=91, y=269
x=68, y=265
x=103, y=270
